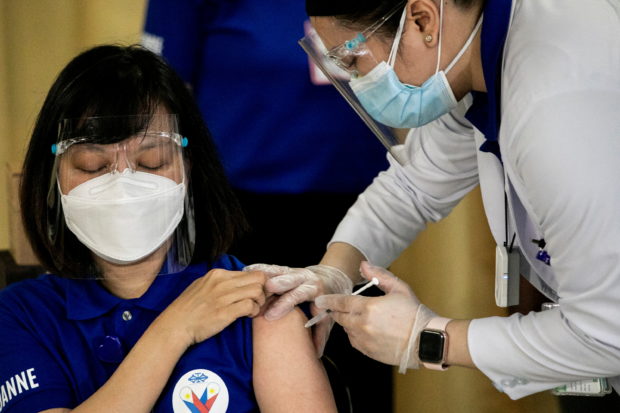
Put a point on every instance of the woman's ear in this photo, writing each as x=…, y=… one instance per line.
x=425, y=16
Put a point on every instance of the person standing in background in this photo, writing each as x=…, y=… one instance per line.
x=296, y=154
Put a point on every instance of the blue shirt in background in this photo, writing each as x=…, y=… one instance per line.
x=276, y=131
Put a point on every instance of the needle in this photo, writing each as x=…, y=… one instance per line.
x=324, y=313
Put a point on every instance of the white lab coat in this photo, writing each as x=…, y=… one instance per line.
x=560, y=145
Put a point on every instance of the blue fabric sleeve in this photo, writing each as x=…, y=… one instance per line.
x=228, y=262
x=177, y=25
x=31, y=379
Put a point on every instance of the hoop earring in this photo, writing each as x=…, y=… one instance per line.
x=428, y=38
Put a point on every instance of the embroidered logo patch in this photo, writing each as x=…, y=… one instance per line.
x=200, y=391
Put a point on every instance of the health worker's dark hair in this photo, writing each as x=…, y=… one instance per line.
x=359, y=14
x=113, y=80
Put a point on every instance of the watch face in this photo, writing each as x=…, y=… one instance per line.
x=431, y=346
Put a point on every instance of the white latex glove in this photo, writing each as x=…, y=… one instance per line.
x=385, y=328
x=298, y=285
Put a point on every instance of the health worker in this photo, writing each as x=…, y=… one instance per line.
x=520, y=97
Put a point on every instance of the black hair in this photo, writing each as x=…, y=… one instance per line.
x=114, y=80
x=359, y=14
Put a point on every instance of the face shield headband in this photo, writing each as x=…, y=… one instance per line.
x=118, y=185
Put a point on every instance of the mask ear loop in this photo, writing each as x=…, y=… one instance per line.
x=465, y=46
x=440, y=35
x=399, y=32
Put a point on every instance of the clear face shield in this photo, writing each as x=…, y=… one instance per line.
x=348, y=61
x=119, y=186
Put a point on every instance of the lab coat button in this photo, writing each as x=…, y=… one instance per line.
x=522, y=381
x=126, y=315
x=508, y=382
x=498, y=387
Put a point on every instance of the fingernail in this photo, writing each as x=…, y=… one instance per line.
x=366, y=264
x=320, y=302
x=272, y=315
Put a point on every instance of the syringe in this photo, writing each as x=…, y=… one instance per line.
x=324, y=313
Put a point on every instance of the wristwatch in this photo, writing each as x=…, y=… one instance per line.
x=433, y=346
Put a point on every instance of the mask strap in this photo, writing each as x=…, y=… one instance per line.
x=397, y=37
x=465, y=46
x=399, y=32
x=440, y=35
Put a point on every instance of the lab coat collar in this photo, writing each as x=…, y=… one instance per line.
x=484, y=113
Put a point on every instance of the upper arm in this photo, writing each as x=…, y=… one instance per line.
x=288, y=376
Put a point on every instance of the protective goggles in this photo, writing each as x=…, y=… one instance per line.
x=118, y=185
x=81, y=159
x=342, y=63
x=350, y=55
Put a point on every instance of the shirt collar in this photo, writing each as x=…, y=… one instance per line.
x=484, y=113
x=88, y=299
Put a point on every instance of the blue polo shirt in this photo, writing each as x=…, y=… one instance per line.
x=61, y=339
x=276, y=130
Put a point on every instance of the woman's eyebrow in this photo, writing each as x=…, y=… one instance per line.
x=94, y=146
x=149, y=145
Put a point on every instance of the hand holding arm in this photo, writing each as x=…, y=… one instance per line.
x=205, y=308
x=335, y=274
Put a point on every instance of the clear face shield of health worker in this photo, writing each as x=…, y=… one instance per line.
x=340, y=65
x=378, y=96
x=119, y=186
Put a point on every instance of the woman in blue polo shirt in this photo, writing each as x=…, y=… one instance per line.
x=143, y=310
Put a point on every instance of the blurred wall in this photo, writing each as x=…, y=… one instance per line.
x=37, y=39
x=5, y=141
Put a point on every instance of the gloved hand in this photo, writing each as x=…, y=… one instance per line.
x=385, y=328
x=298, y=285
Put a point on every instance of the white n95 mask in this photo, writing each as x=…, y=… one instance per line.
x=124, y=217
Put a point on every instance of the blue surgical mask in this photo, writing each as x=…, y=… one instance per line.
x=395, y=104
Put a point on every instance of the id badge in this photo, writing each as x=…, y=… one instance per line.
x=506, y=277
x=597, y=387
x=593, y=387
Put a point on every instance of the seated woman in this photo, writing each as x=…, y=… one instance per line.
x=127, y=206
